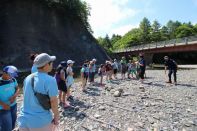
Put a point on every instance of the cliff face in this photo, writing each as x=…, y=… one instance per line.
x=28, y=26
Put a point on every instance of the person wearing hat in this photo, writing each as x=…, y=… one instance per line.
x=172, y=67
x=142, y=67
x=34, y=68
x=123, y=63
x=84, y=75
x=60, y=76
x=33, y=116
x=92, y=72
x=69, y=79
x=9, y=90
x=115, y=68
x=108, y=69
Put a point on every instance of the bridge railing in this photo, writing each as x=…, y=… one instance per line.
x=167, y=43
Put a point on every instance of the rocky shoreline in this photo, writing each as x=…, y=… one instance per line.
x=125, y=105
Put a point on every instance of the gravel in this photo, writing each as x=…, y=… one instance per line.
x=153, y=105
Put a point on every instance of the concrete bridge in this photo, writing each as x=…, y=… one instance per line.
x=186, y=44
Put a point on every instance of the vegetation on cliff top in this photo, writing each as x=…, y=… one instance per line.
x=147, y=33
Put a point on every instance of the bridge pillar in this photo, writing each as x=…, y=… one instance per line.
x=148, y=58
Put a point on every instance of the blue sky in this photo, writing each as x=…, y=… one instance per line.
x=120, y=16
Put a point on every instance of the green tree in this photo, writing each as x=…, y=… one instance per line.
x=164, y=33
x=131, y=38
x=184, y=31
x=77, y=9
x=115, y=38
x=172, y=26
x=105, y=42
x=155, y=31
x=195, y=29
x=145, y=27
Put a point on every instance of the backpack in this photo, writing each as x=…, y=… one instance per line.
x=57, y=74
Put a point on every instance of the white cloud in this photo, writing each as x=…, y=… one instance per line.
x=105, y=14
x=122, y=30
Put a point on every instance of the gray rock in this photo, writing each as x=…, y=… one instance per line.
x=97, y=116
x=101, y=108
x=117, y=94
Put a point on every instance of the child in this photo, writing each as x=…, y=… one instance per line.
x=91, y=72
x=109, y=69
x=133, y=69
x=9, y=90
x=70, y=79
x=101, y=72
x=60, y=76
x=129, y=69
x=84, y=74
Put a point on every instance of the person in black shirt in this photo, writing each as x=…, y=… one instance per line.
x=172, y=67
x=142, y=65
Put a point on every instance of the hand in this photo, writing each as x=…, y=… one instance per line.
x=55, y=120
x=12, y=99
x=6, y=107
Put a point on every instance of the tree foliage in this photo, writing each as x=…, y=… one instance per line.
x=76, y=8
x=148, y=33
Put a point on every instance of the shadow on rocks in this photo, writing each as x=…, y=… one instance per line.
x=76, y=110
x=93, y=91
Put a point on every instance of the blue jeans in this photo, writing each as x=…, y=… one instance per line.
x=8, y=118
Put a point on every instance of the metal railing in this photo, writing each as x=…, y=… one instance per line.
x=161, y=44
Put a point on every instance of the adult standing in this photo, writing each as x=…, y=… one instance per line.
x=115, y=68
x=142, y=67
x=172, y=67
x=33, y=116
x=94, y=68
x=33, y=68
x=123, y=63
x=9, y=90
x=69, y=79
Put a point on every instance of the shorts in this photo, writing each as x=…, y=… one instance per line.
x=115, y=71
x=85, y=75
x=133, y=71
x=91, y=77
x=124, y=70
x=62, y=86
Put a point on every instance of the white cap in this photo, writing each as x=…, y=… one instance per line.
x=70, y=62
x=94, y=59
x=11, y=70
x=42, y=59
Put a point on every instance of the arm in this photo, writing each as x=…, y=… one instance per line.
x=5, y=106
x=54, y=108
x=62, y=75
x=13, y=98
x=70, y=73
x=165, y=68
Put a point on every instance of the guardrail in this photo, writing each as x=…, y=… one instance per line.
x=161, y=44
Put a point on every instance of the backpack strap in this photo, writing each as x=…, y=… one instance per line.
x=32, y=83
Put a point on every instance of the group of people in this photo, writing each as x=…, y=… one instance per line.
x=39, y=110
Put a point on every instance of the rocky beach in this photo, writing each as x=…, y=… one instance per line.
x=128, y=105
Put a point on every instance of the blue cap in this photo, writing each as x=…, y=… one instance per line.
x=11, y=70
x=63, y=63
